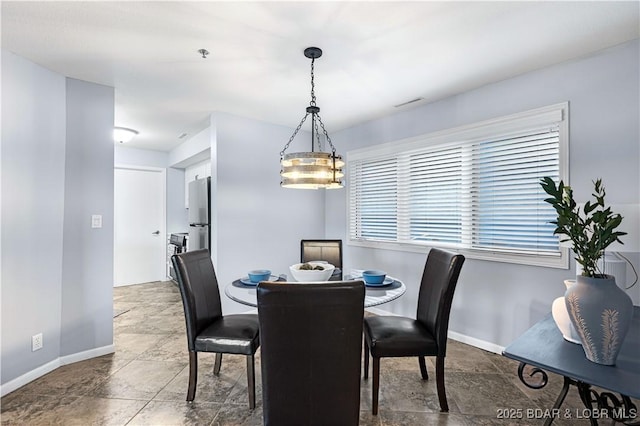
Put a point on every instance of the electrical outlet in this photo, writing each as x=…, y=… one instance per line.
x=36, y=342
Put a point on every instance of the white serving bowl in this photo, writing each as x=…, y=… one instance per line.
x=314, y=275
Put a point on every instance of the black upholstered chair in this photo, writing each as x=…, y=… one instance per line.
x=327, y=250
x=311, y=348
x=207, y=329
x=387, y=336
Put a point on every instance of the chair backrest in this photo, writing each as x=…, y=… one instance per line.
x=311, y=348
x=199, y=290
x=328, y=250
x=438, y=284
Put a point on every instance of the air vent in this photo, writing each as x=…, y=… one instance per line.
x=408, y=102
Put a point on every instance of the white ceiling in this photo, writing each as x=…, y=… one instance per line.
x=376, y=54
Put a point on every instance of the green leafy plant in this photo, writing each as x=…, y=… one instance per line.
x=590, y=229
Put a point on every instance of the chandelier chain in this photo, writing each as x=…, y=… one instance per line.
x=313, y=94
x=315, y=123
x=326, y=135
x=294, y=135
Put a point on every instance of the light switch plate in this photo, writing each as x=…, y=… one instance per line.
x=96, y=221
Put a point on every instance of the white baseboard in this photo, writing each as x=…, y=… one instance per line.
x=459, y=337
x=38, y=372
x=30, y=376
x=472, y=341
x=91, y=353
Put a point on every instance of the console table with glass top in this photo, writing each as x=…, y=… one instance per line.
x=543, y=348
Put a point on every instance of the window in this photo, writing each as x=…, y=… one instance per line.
x=474, y=189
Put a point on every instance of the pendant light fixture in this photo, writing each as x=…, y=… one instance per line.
x=315, y=169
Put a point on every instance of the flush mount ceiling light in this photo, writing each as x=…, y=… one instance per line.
x=123, y=134
x=315, y=169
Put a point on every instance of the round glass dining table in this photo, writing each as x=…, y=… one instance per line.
x=374, y=295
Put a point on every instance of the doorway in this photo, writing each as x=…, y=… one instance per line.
x=139, y=222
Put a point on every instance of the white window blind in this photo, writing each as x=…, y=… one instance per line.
x=374, y=215
x=475, y=189
x=434, y=189
x=507, y=202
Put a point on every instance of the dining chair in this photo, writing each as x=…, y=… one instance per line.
x=395, y=336
x=207, y=329
x=311, y=349
x=327, y=250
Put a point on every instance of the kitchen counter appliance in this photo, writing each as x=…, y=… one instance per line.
x=177, y=244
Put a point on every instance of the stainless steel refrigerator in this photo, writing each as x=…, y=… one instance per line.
x=199, y=214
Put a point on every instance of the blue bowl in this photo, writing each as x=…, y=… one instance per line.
x=374, y=277
x=258, y=275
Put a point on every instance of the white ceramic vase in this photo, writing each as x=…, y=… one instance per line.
x=562, y=319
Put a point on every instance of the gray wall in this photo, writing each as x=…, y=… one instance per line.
x=255, y=222
x=495, y=302
x=33, y=161
x=87, y=262
x=57, y=170
x=177, y=214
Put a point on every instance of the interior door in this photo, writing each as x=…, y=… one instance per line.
x=140, y=240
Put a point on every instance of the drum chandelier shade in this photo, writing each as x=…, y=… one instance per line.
x=315, y=169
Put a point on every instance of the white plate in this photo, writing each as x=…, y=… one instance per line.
x=247, y=281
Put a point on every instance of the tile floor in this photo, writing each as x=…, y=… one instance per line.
x=145, y=381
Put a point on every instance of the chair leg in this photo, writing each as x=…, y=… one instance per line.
x=366, y=359
x=442, y=395
x=218, y=363
x=193, y=375
x=251, y=381
x=376, y=385
x=423, y=368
